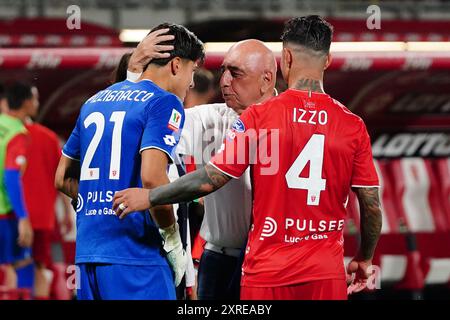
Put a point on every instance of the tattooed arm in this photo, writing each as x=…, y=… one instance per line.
x=369, y=205
x=189, y=187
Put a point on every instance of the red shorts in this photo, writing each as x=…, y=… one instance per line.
x=314, y=290
x=68, y=248
x=42, y=247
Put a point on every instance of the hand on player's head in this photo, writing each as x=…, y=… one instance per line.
x=151, y=48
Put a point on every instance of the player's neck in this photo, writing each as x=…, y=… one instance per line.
x=19, y=114
x=269, y=94
x=307, y=84
x=158, y=75
x=308, y=80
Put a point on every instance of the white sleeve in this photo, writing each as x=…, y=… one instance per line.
x=192, y=132
x=190, y=270
x=133, y=76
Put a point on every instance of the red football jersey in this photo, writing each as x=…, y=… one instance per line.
x=305, y=150
x=38, y=180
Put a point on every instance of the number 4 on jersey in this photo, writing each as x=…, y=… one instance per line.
x=312, y=152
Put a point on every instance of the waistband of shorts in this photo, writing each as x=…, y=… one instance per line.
x=233, y=252
x=8, y=216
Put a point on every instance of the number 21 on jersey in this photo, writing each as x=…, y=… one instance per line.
x=314, y=184
x=88, y=173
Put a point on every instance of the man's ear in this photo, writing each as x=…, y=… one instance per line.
x=286, y=62
x=267, y=81
x=175, y=65
x=328, y=61
x=287, y=56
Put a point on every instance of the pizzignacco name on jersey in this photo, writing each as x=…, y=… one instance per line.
x=120, y=95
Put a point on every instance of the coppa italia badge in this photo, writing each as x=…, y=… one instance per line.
x=174, y=121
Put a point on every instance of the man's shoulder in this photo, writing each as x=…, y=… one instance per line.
x=346, y=114
x=158, y=93
x=13, y=124
x=167, y=99
x=210, y=108
x=210, y=111
x=42, y=130
x=264, y=109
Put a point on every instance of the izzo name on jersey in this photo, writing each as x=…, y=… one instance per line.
x=309, y=116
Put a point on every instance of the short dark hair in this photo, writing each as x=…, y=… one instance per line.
x=120, y=72
x=17, y=94
x=186, y=44
x=2, y=90
x=203, y=80
x=312, y=32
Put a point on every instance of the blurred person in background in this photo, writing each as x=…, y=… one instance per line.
x=43, y=152
x=203, y=91
x=40, y=198
x=3, y=102
x=120, y=72
x=16, y=233
x=248, y=77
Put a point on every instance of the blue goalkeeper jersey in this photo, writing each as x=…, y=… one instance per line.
x=113, y=128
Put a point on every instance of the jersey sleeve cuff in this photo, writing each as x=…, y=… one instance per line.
x=133, y=76
x=160, y=149
x=70, y=157
x=365, y=186
x=223, y=171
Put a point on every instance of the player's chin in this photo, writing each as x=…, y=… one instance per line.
x=230, y=101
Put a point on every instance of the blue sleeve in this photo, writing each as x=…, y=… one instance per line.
x=72, y=147
x=13, y=184
x=165, y=121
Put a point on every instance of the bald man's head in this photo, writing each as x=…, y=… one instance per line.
x=249, y=74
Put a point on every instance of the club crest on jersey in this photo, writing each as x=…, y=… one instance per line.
x=174, y=121
x=231, y=134
x=238, y=126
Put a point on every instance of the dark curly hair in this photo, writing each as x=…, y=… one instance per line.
x=186, y=44
x=312, y=32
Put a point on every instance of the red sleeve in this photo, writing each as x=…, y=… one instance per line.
x=56, y=152
x=238, y=150
x=190, y=163
x=16, y=152
x=364, y=173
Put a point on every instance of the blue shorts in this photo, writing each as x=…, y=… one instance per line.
x=124, y=282
x=10, y=251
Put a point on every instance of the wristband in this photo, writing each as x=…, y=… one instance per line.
x=133, y=76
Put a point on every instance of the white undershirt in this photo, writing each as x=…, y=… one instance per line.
x=227, y=210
